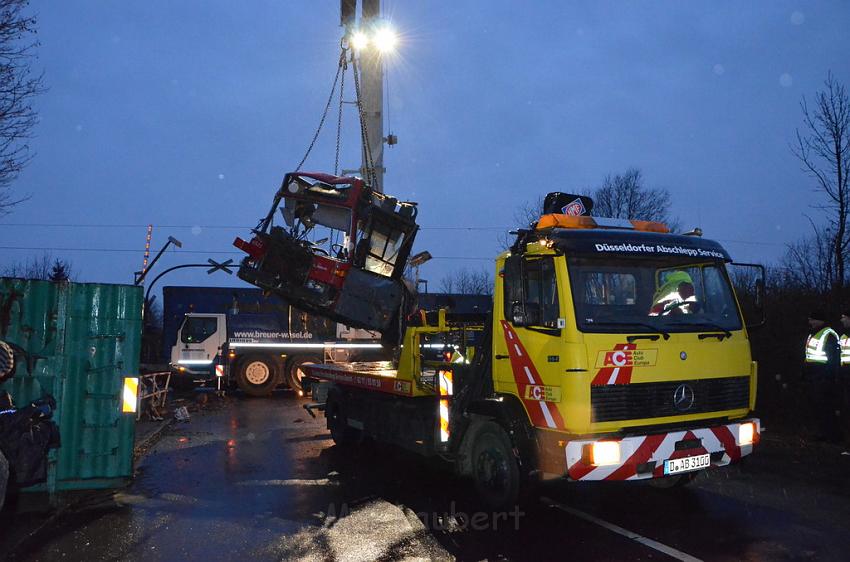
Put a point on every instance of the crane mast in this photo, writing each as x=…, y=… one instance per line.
x=372, y=85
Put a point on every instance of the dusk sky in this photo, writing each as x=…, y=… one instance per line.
x=187, y=114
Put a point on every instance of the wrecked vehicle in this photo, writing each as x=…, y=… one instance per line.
x=335, y=247
x=26, y=434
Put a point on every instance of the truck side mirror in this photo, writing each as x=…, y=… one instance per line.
x=513, y=297
x=748, y=280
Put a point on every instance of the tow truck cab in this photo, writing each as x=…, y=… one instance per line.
x=615, y=351
x=626, y=347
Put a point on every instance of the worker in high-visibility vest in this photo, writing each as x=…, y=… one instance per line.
x=675, y=296
x=822, y=360
x=844, y=339
x=844, y=376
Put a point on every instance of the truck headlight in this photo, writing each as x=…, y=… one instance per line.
x=604, y=453
x=746, y=433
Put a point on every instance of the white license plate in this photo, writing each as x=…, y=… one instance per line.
x=686, y=464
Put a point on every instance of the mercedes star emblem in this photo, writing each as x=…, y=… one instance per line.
x=683, y=398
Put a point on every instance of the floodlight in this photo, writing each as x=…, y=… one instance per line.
x=420, y=258
x=385, y=40
x=359, y=40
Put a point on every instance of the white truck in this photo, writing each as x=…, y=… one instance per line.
x=255, y=341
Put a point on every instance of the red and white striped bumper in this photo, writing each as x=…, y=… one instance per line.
x=637, y=452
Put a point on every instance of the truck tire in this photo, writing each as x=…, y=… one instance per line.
x=256, y=375
x=4, y=478
x=343, y=435
x=494, y=467
x=294, y=371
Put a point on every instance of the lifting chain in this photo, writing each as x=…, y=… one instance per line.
x=369, y=172
x=339, y=71
x=339, y=116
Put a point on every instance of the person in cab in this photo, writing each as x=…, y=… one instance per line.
x=675, y=296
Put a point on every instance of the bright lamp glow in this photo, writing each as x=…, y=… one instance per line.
x=746, y=433
x=385, y=40
x=359, y=40
x=604, y=453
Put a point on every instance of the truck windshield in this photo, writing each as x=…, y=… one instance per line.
x=197, y=329
x=664, y=295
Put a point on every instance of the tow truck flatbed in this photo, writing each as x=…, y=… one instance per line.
x=379, y=376
x=414, y=374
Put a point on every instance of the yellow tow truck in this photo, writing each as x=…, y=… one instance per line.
x=615, y=351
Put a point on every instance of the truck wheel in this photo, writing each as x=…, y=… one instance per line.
x=295, y=372
x=256, y=375
x=4, y=478
x=342, y=434
x=494, y=467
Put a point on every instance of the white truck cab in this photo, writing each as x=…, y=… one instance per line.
x=199, y=341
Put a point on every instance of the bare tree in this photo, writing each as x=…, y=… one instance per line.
x=43, y=267
x=824, y=149
x=467, y=282
x=621, y=196
x=153, y=313
x=18, y=87
x=31, y=268
x=151, y=331
x=525, y=214
x=528, y=212
x=624, y=196
x=809, y=263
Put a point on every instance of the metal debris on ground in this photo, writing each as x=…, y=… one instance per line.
x=181, y=414
x=153, y=394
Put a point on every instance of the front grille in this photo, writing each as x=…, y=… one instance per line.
x=655, y=399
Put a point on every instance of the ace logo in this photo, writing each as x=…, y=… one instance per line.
x=621, y=358
x=626, y=358
x=542, y=393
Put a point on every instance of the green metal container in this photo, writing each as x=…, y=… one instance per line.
x=81, y=340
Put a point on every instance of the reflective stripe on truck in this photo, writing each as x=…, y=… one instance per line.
x=643, y=456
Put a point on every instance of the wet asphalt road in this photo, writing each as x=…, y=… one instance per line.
x=260, y=479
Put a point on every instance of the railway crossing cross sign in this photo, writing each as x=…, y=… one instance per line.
x=223, y=266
